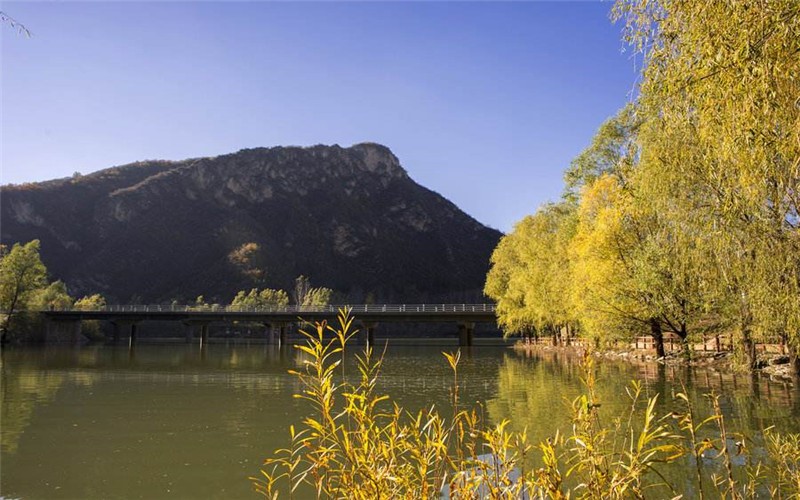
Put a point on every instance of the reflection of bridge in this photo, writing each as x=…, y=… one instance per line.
x=125, y=318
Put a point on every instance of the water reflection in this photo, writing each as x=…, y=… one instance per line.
x=535, y=391
x=176, y=420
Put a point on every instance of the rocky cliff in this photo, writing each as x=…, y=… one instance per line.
x=350, y=218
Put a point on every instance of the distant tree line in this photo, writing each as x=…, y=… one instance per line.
x=682, y=214
x=25, y=288
x=303, y=295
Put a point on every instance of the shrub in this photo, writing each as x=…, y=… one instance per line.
x=357, y=443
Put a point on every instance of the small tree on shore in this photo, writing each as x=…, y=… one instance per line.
x=22, y=274
x=260, y=298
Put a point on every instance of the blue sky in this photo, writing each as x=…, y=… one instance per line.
x=483, y=102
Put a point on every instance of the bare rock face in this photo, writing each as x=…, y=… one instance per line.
x=350, y=218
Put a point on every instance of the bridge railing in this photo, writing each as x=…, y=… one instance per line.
x=355, y=308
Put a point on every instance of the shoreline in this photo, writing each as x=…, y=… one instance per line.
x=776, y=367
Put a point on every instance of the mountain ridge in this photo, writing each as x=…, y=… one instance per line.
x=351, y=218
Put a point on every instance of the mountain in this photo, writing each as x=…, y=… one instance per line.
x=349, y=218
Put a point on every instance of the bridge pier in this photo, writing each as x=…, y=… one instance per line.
x=466, y=332
x=191, y=326
x=63, y=331
x=281, y=336
x=269, y=330
x=124, y=328
x=284, y=336
x=368, y=332
x=132, y=338
x=203, y=335
x=188, y=332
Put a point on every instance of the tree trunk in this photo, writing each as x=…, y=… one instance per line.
x=686, y=347
x=749, y=346
x=794, y=357
x=658, y=337
x=4, y=328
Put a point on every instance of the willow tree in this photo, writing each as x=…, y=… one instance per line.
x=91, y=328
x=725, y=74
x=317, y=296
x=605, y=292
x=610, y=152
x=530, y=273
x=93, y=302
x=635, y=267
x=691, y=290
x=53, y=296
x=22, y=275
x=256, y=298
x=504, y=282
x=606, y=262
x=306, y=295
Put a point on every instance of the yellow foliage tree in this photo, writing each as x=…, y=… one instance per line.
x=724, y=76
x=530, y=273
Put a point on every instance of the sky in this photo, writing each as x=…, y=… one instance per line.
x=484, y=102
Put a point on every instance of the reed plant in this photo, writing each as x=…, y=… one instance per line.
x=358, y=443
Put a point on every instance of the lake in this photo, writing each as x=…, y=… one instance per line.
x=172, y=421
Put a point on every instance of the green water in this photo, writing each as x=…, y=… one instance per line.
x=171, y=421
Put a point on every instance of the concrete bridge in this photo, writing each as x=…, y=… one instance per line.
x=125, y=318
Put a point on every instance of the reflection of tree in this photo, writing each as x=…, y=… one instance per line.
x=26, y=386
x=534, y=393
x=23, y=391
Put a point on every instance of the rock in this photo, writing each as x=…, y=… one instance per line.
x=779, y=360
x=781, y=373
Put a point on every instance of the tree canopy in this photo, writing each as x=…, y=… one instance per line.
x=685, y=204
x=22, y=275
x=256, y=298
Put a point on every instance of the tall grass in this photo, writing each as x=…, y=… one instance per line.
x=357, y=443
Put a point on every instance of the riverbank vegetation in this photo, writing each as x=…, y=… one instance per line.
x=682, y=214
x=24, y=287
x=25, y=290
x=303, y=295
x=356, y=442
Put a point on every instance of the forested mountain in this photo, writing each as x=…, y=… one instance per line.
x=349, y=218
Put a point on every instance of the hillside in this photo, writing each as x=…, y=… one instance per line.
x=349, y=218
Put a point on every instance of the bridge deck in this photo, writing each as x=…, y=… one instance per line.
x=422, y=313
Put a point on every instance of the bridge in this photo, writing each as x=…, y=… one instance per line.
x=125, y=318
